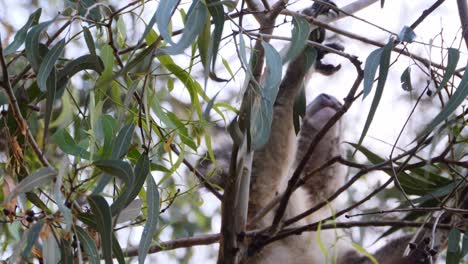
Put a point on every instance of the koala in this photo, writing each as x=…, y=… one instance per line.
x=274, y=163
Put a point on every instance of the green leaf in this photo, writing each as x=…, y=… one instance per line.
x=452, y=61
x=32, y=182
x=89, y=41
x=196, y=18
x=217, y=12
x=32, y=44
x=383, y=72
x=48, y=63
x=83, y=8
x=88, y=245
x=453, y=249
x=34, y=199
x=85, y=62
x=22, y=32
x=152, y=201
x=182, y=131
x=405, y=79
x=51, y=85
x=142, y=171
x=262, y=112
x=457, y=98
x=149, y=26
x=131, y=190
x=106, y=129
x=123, y=141
x=203, y=43
x=50, y=249
x=300, y=35
x=103, y=218
x=68, y=145
x=129, y=213
x=117, y=168
x=370, y=69
x=137, y=60
x=364, y=252
x=107, y=56
x=118, y=253
x=33, y=234
x=191, y=84
x=412, y=184
x=163, y=16
x=66, y=255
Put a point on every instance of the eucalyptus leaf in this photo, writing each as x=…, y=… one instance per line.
x=48, y=63
x=32, y=236
x=452, y=61
x=117, y=168
x=405, y=79
x=32, y=44
x=20, y=36
x=103, y=219
x=300, y=35
x=196, y=18
x=384, y=65
x=152, y=201
x=456, y=100
x=262, y=110
x=37, y=179
x=88, y=245
x=68, y=145
x=123, y=141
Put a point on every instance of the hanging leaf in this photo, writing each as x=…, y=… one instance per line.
x=300, y=35
x=152, y=201
x=262, y=110
x=88, y=245
x=405, y=79
x=32, y=236
x=117, y=168
x=103, y=218
x=163, y=16
x=84, y=8
x=456, y=100
x=384, y=65
x=32, y=182
x=130, y=192
x=370, y=69
x=452, y=61
x=85, y=62
x=453, y=248
x=22, y=32
x=193, y=87
x=51, y=85
x=196, y=18
x=89, y=40
x=123, y=141
x=131, y=212
x=217, y=13
x=32, y=44
x=107, y=57
x=48, y=63
x=68, y=145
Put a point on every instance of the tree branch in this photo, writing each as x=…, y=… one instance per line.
x=13, y=102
